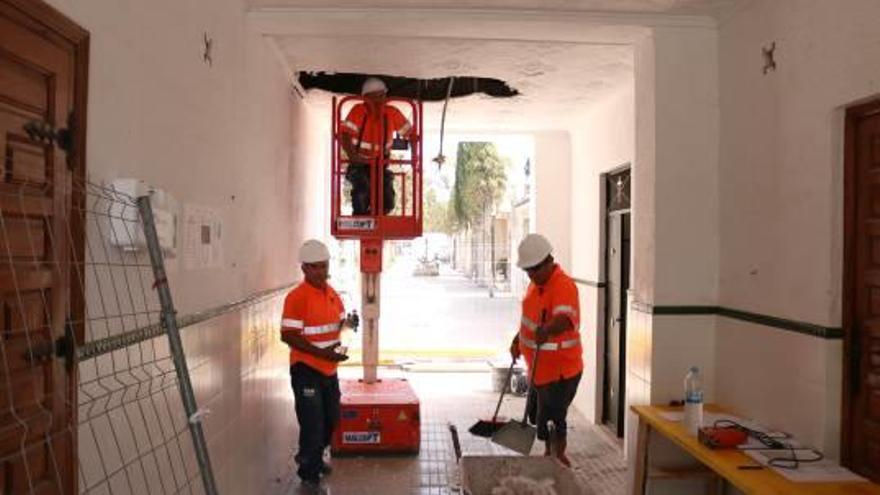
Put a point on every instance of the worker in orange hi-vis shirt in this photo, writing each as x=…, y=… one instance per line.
x=549, y=328
x=366, y=134
x=311, y=324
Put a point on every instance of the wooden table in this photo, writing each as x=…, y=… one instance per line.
x=725, y=462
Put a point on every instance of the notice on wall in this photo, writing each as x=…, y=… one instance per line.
x=202, y=237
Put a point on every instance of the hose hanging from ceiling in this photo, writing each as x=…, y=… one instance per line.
x=440, y=159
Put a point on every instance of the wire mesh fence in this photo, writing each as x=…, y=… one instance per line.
x=105, y=416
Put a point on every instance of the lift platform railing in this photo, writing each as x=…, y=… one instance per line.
x=405, y=220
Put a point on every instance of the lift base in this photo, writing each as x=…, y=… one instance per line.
x=377, y=418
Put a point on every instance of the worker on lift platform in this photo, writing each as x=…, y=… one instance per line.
x=368, y=134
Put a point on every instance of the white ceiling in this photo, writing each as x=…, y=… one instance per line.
x=561, y=55
x=554, y=79
x=694, y=7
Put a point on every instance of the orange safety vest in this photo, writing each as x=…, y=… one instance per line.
x=366, y=127
x=561, y=356
x=316, y=315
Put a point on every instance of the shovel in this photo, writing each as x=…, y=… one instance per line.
x=484, y=428
x=519, y=436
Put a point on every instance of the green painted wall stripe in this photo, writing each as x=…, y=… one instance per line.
x=802, y=327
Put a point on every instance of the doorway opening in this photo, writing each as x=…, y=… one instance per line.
x=618, y=228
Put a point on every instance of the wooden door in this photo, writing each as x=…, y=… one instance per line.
x=42, y=61
x=861, y=425
x=617, y=283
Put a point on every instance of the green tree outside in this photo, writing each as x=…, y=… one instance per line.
x=480, y=181
x=438, y=217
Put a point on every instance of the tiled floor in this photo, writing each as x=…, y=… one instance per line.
x=461, y=399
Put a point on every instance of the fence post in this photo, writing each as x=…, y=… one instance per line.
x=169, y=321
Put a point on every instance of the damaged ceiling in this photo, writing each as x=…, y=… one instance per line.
x=553, y=79
x=435, y=89
x=560, y=56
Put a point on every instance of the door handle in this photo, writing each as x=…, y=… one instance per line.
x=62, y=347
x=46, y=133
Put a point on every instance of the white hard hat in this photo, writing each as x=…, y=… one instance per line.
x=533, y=250
x=372, y=85
x=313, y=251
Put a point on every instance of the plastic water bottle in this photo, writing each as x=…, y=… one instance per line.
x=693, y=400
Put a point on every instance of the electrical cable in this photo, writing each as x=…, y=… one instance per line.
x=773, y=442
x=440, y=159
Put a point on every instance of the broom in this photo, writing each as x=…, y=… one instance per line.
x=485, y=428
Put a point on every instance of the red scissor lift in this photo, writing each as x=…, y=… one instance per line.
x=377, y=415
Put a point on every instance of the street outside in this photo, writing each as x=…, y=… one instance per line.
x=446, y=316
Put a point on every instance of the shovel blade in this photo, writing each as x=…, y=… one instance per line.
x=516, y=436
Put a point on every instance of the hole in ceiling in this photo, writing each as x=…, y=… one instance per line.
x=407, y=87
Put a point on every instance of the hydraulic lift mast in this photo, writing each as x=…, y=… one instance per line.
x=378, y=415
x=371, y=291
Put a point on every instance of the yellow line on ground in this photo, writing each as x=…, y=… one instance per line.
x=394, y=355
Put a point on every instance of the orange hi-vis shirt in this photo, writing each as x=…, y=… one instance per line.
x=366, y=124
x=316, y=315
x=561, y=356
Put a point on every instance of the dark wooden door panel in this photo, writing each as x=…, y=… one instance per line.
x=41, y=59
x=862, y=286
x=28, y=426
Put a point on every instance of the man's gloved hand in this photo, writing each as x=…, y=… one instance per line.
x=514, y=349
x=352, y=320
x=541, y=335
x=330, y=354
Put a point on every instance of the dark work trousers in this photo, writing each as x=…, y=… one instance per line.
x=552, y=401
x=317, y=412
x=358, y=175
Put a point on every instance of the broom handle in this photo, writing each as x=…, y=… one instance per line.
x=532, y=371
x=503, y=390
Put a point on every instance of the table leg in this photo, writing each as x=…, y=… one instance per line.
x=718, y=488
x=641, y=457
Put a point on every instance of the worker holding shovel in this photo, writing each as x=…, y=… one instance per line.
x=549, y=329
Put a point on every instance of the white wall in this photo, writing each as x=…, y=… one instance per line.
x=675, y=215
x=601, y=140
x=675, y=181
x=204, y=134
x=686, y=166
x=232, y=137
x=552, y=176
x=781, y=201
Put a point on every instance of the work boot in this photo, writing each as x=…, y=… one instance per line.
x=312, y=487
x=560, y=452
x=326, y=468
x=549, y=444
